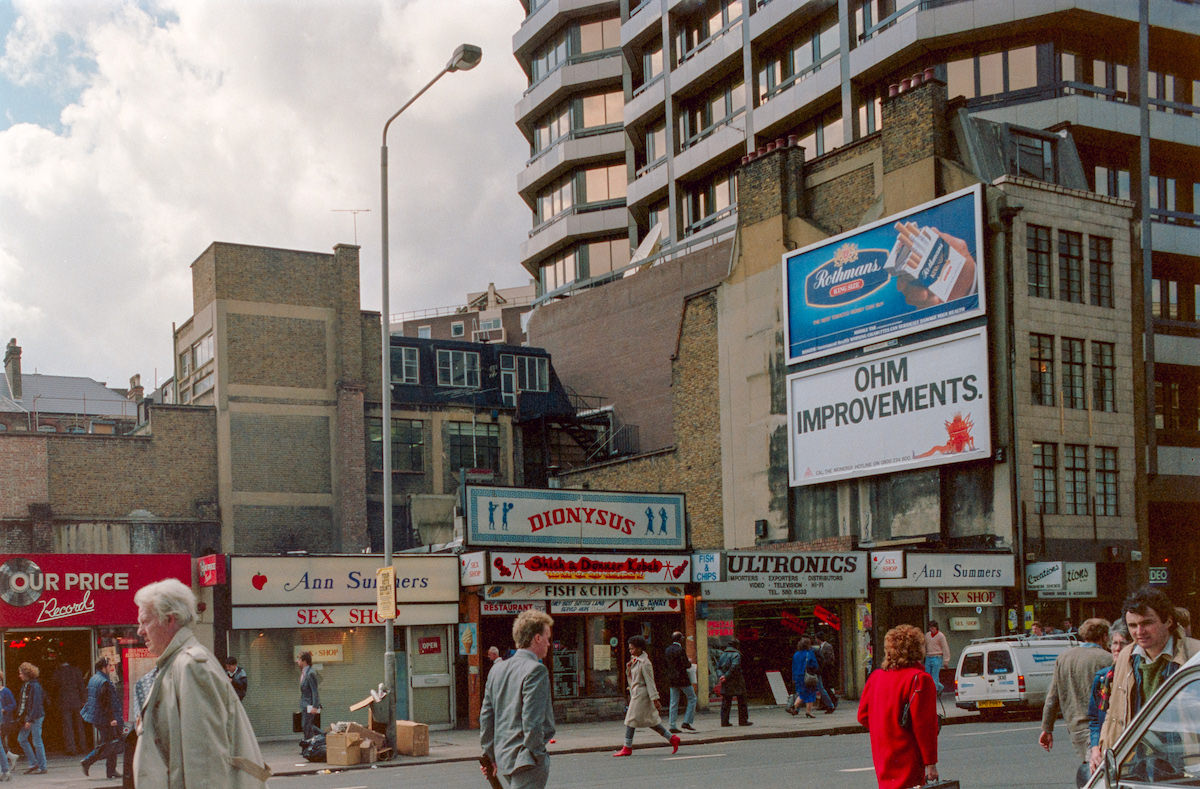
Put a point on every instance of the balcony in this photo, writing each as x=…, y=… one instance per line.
x=647, y=99
x=578, y=148
x=1176, y=349
x=643, y=18
x=549, y=17
x=722, y=48
x=576, y=76
x=649, y=186
x=794, y=100
x=1176, y=238
x=722, y=142
x=574, y=225
x=1179, y=461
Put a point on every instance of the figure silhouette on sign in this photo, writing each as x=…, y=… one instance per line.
x=492, y=515
x=662, y=524
x=649, y=521
x=508, y=505
x=959, y=438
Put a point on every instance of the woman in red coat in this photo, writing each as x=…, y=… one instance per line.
x=903, y=756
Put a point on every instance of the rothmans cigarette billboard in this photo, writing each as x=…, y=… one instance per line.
x=922, y=405
x=906, y=273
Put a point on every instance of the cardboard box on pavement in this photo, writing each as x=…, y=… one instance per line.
x=342, y=755
x=373, y=737
x=412, y=739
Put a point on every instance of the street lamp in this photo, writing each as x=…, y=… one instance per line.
x=465, y=57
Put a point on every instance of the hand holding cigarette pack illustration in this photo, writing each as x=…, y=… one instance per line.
x=930, y=267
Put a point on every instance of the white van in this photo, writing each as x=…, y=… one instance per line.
x=1014, y=672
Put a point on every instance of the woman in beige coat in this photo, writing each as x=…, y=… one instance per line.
x=644, y=707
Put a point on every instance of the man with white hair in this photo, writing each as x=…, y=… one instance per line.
x=215, y=745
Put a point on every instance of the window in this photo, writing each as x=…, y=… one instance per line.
x=408, y=444
x=601, y=184
x=53, y=429
x=1167, y=411
x=202, y=351
x=1073, y=373
x=1104, y=376
x=1100, y=265
x=700, y=117
x=1075, y=479
x=999, y=661
x=405, y=369
x=457, y=329
x=707, y=201
x=558, y=271
x=599, y=35
x=656, y=142
x=870, y=115
x=1034, y=157
x=552, y=127
x=652, y=61
x=533, y=373
x=1070, y=266
x=658, y=216
x=473, y=446
x=1113, y=78
x=202, y=385
x=1045, y=478
x=1112, y=182
x=597, y=258
x=972, y=665
x=1037, y=254
x=1106, y=480
x=185, y=363
x=424, y=332
x=490, y=324
x=1164, y=298
x=1041, y=368
x=1162, y=193
x=458, y=368
x=602, y=109
x=554, y=200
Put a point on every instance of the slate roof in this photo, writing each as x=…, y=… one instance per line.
x=65, y=394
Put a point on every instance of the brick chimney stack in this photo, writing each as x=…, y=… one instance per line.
x=136, y=393
x=12, y=368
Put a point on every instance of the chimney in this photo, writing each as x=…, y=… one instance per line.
x=12, y=368
x=915, y=125
x=136, y=393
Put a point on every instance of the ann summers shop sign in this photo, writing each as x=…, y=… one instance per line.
x=790, y=576
x=954, y=570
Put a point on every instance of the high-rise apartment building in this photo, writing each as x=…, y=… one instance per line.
x=672, y=93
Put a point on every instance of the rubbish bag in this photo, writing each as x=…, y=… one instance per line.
x=313, y=749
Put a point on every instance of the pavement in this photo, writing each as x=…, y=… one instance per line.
x=455, y=745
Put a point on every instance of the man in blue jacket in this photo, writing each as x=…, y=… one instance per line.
x=103, y=711
x=310, y=697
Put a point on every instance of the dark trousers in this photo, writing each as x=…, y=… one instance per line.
x=108, y=745
x=74, y=739
x=743, y=711
x=308, y=724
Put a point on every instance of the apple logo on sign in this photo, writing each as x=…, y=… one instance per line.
x=258, y=581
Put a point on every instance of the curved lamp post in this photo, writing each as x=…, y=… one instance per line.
x=466, y=57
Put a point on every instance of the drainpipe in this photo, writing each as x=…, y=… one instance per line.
x=1007, y=215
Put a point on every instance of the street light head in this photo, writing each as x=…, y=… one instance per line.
x=465, y=58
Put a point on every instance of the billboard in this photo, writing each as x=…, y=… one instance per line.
x=908, y=272
x=556, y=518
x=922, y=405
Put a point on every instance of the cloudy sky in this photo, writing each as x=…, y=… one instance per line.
x=134, y=134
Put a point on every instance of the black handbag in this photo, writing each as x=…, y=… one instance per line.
x=941, y=785
x=906, y=723
x=298, y=721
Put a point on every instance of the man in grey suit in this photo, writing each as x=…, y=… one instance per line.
x=310, y=696
x=517, y=720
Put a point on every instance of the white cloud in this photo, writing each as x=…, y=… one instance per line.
x=247, y=122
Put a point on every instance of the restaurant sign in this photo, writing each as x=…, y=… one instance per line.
x=558, y=567
x=577, y=591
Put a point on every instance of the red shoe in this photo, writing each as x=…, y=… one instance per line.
x=674, y=743
x=626, y=751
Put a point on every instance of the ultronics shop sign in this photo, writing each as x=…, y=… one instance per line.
x=923, y=405
x=783, y=576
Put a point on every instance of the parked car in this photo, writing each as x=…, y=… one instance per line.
x=1161, y=745
x=996, y=674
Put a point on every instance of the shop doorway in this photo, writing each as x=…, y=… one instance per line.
x=431, y=675
x=47, y=650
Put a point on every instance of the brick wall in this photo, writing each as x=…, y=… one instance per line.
x=268, y=529
x=772, y=186
x=274, y=276
x=841, y=203
x=281, y=453
x=351, y=463
x=24, y=477
x=170, y=472
x=273, y=351
x=623, y=351
x=693, y=467
x=915, y=125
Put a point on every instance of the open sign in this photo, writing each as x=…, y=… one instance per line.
x=431, y=645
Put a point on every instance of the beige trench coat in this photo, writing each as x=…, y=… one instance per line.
x=642, y=694
x=214, y=746
x=1119, y=714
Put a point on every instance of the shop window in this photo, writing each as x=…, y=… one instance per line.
x=604, y=656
